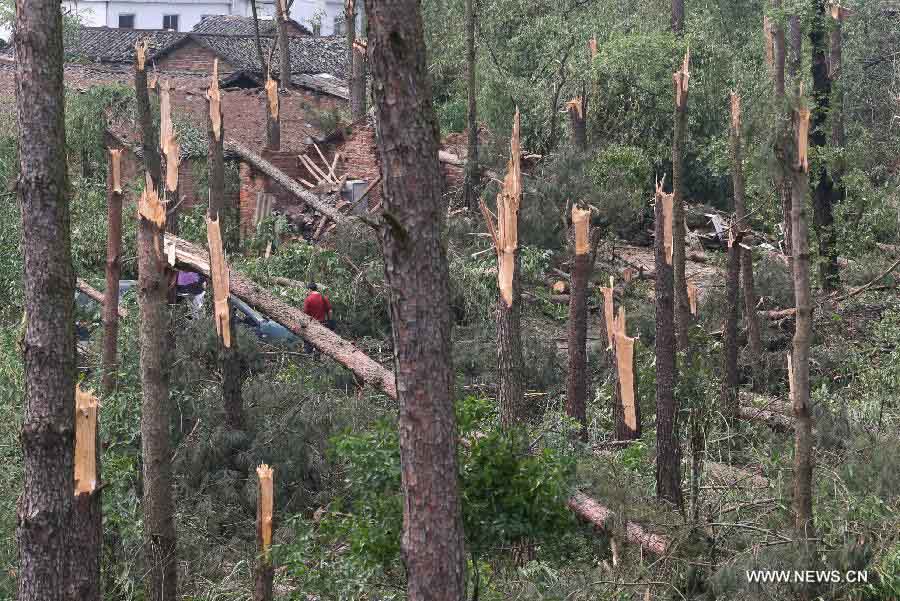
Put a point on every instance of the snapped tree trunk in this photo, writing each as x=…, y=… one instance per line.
x=159, y=525
x=44, y=509
x=754, y=339
x=576, y=382
x=799, y=366
x=825, y=195
x=505, y=236
x=284, y=45
x=731, y=375
x=265, y=506
x=416, y=274
x=87, y=517
x=682, y=303
x=273, y=121
x=668, y=449
x=229, y=357
x=472, y=116
x=577, y=108
x=114, y=196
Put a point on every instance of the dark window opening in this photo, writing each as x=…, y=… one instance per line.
x=170, y=22
x=126, y=21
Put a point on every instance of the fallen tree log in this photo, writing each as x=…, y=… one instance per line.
x=735, y=476
x=285, y=181
x=777, y=314
x=343, y=351
x=593, y=512
x=773, y=419
x=96, y=295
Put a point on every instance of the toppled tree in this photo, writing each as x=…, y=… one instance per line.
x=505, y=236
x=159, y=525
x=416, y=273
x=113, y=270
x=682, y=303
x=229, y=358
x=44, y=510
x=668, y=449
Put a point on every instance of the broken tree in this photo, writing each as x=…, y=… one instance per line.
x=44, y=509
x=159, y=524
x=265, y=507
x=681, y=79
x=576, y=382
x=668, y=463
x=505, y=236
x=416, y=274
x=113, y=269
x=87, y=517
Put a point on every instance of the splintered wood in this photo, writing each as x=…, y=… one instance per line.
x=838, y=12
x=581, y=221
x=214, y=95
x=149, y=205
x=801, y=126
x=769, y=32
x=140, y=54
x=86, y=406
x=115, y=156
x=219, y=271
x=608, y=313
x=505, y=234
x=592, y=46
x=576, y=105
x=272, y=96
x=681, y=79
x=692, y=292
x=667, y=201
x=168, y=143
x=735, y=111
x=790, y=370
x=360, y=46
x=625, y=365
x=265, y=506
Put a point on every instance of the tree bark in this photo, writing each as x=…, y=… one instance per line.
x=803, y=436
x=754, y=339
x=113, y=270
x=578, y=123
x=284, y=45
x=678, y=17
x=731, y=375
x=416, y=274
x=591, y=511
x=825, y=195
x=780, y=54
x=229, y=357
x=682, y=303
x=472, y=115
x=782, y=174
x=358, y=87
x=159, y=526
x=45, y=506
x=576, y=382
x=668, y=450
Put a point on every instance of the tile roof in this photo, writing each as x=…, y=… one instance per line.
x=235, y=25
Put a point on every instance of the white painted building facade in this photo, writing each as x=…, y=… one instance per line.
x=183, y=15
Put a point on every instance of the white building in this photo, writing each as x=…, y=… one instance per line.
x=183, y=15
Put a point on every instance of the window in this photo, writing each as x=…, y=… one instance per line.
x=170, y=22
x=339, y=25
x=126, y=21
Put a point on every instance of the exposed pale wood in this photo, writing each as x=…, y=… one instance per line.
x=86, y=406
x=150, y=207
x=609, y=313
x=272, y=96
x=667, y=201
x=625, y=364
x=265, y=509
x=693, y=293
x=581, y=222
x=507, y=234
x=214, y=95
x=681, y=79
x=294, y=319
x=115, y=155
x=802, y=130
x=219, y=269
x=96, y=295
x=591, y=511
x=168, y=143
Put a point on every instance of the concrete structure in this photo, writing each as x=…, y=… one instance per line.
x=322, y=16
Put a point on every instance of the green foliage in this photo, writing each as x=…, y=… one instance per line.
x=509, y=495
x=87, y=115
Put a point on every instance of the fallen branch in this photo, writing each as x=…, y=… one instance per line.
x=343, y=351
x=869, y=285
x=776, y=421
x=96, y=295
x=591, y=511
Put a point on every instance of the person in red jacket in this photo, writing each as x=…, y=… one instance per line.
x=318, y=307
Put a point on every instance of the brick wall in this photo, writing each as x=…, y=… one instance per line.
x=192, y=57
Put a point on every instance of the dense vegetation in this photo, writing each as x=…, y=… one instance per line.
x=334, y=444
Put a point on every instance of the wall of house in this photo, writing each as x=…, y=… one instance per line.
x=191, y=56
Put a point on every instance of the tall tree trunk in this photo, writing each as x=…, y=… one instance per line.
x=229, y=357
x=114, y=195
x=780, y=54
x=825, y=195
x=358, y=83
x=678, y=17
x=799, y=372
x=87, y=517
x=576, y=382
x=754, y=339
x=416, y=273
x=837, y=141
x=731, y=375
x=505, y=235
x=284, y=45
x=782, y=174
x=159, y=525
x=472, y=116
x=668, y=449
x=44, y=509
x=682, y=303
